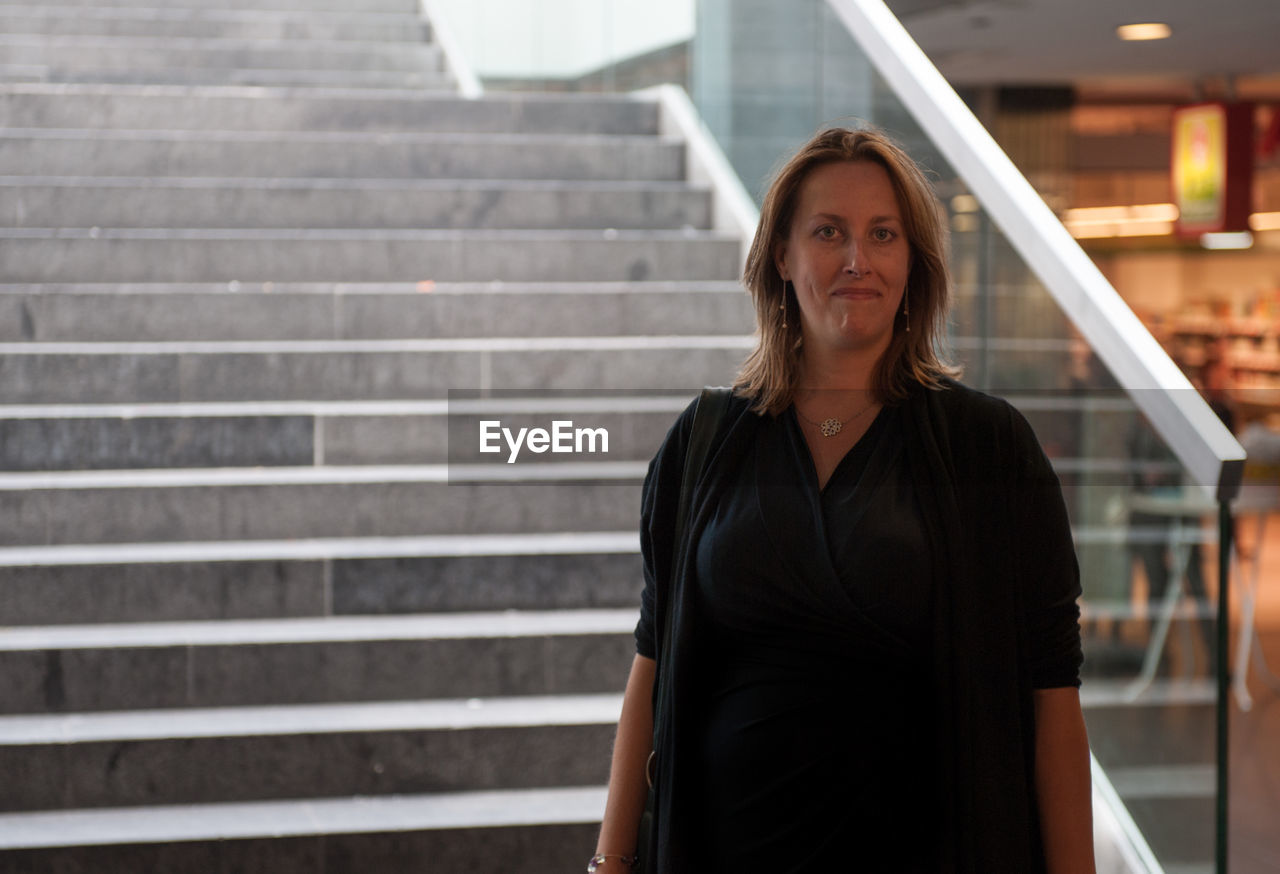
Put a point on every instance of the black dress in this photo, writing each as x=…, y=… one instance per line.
x=814, y=645
x=850, y=671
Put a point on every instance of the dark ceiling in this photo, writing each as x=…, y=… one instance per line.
x=1219, y=47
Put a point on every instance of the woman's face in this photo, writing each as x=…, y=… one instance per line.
x=847, y=256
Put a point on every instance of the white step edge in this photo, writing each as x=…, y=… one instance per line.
x=258, y=92
x=344, y=629
x=154, y=11
x=417, y=235
x=198, y=43
x=328, y=136
x=434, y=288
x=564, y=472
x=325, y=347
x=330, y=183
x=322, y=549
x=211, y=722
x=302, y=817
x=621, y=403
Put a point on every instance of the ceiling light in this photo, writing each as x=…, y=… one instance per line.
x=1228, y=240
x=1145, y=31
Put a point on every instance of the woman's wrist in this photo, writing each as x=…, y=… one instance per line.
x=605, y=862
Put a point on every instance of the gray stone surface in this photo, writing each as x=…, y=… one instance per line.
x=232, y=76
x=62, y=681
x=83, y=202
x=123, y=440
x=143, y=255
x=211, y=590
x=248, y=237
x=542, y=849
x=148, y=677
x=455, y=438
x=110, y=443
x=349, y=6
x=149, y=514
x=264, y=856
x=98, y=53
x=338, y=154
x=142, y=108
x=211, y=769
x=172, y=312
x=208, y=23
x=486, y=582
x=335, y=375
x=172, y=591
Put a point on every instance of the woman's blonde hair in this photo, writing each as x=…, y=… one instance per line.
x=770, y=373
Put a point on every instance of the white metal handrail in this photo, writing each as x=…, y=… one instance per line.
x=1212, y=456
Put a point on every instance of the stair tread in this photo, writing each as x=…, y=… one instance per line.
x=297, y=817
x=258, y=183
x=427, y=626
x=336, y=548
x=363, y=138
x=211, y=477
x=437, y=289
x=291, y=719
x=192, y=43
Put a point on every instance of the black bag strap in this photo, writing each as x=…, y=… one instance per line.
x=713, y=403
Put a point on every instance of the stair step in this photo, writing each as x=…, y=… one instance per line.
x=185, y=823
x=173, y=312
x=195, y=581
x=114, y=437
x=230, y=76
x=160, y=53
x=199, y=755
x=206, y=202
x=195, y=371
x=339, y=154
x=130, y=107
x=281, y=255
x=142, y=21
x=106, y=667
x=377, y=7
x=279, y=503
x=549, y=830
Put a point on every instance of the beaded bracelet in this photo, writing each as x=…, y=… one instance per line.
x=600, y=858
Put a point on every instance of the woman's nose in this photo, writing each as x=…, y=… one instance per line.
x=855, y=264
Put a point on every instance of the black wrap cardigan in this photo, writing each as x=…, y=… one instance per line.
x=1006, y=587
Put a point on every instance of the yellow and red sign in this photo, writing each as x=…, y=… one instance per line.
x=1212, y=167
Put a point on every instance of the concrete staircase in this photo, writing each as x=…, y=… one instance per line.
x=264, y=606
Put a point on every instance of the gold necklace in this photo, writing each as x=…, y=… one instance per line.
x=831, y=427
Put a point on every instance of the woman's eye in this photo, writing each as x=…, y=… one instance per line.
x=826, y=232
x=883, y=235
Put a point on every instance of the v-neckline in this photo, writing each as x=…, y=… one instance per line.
x=852, y=451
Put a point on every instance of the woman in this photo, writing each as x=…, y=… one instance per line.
x=874, y=650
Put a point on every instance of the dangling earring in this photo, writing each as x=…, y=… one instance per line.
x=906, y=313
x=783, y=306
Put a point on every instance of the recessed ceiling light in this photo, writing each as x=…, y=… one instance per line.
x=1144, y=31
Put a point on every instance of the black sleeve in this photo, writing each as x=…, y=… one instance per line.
x=659, y=503
x=1049, y=575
